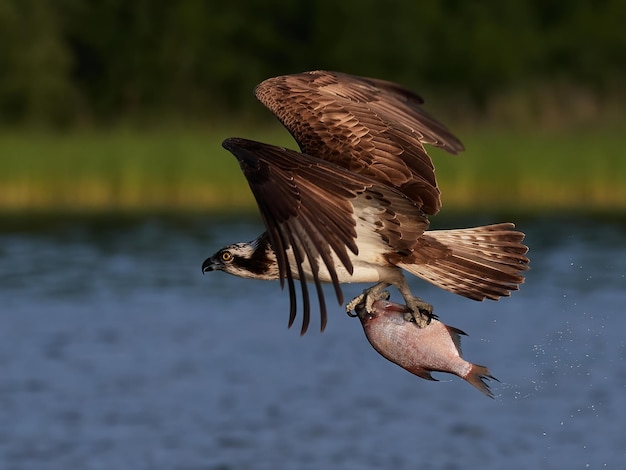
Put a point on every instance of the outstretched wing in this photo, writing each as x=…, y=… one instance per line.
x=308, y=205
x=368, y=126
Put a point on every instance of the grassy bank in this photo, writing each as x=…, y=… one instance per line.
x=188, y=170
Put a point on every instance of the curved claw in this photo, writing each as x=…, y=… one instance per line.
x=420, y=312
x=367, y=298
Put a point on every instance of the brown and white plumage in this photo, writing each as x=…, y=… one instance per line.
x=368, y=126
x=353, y=206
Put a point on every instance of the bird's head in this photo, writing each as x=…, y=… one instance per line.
x=242, y=260
x=228, y=259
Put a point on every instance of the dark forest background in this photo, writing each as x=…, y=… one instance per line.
x=79, y=62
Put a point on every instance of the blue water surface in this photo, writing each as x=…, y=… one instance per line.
x=117, y=353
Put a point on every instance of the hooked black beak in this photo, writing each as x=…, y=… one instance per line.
x=208, y=265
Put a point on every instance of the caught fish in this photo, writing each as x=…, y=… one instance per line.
x=434, y=348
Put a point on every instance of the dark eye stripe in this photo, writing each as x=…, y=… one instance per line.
x=258, y=263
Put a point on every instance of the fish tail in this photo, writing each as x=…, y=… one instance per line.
x=477, y=376
x=478, y=263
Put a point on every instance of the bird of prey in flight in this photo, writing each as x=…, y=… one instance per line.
x=353, y=204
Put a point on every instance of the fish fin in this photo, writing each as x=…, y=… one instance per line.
x=455, y=334
x=423, y=373
x=477, y=376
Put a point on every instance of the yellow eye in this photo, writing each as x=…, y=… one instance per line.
x=226, y=256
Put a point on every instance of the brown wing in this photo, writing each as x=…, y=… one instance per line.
x=307, y=207
x=368, y=126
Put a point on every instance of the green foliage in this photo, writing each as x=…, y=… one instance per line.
x=179, y=170
x=35, y=63
x=82, y=62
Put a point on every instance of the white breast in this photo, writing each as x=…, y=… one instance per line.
x=370, y=264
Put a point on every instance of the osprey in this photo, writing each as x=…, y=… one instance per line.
x=353, y=205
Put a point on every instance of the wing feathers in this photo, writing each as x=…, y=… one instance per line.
x=306, y=305
x=307, y=211
x=368, y=126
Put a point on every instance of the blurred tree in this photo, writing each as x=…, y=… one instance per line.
x=34, y=63
x=103, y=61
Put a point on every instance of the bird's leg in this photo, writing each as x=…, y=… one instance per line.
x=369, y=296
x=420, y=312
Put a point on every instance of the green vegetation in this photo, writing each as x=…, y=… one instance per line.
x=187, y=170
x=71, y=69
x=534, y=170
x=68, y=62
x=118, y=171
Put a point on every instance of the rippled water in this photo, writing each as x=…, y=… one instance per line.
x=115, y=352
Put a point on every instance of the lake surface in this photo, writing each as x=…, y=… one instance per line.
x=117, y=353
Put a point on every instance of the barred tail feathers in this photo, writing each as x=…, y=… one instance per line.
x=478, y=263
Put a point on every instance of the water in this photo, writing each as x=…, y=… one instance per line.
x=115, y=352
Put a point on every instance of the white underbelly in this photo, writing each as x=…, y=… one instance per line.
x=369, y=266
x=362, y=272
